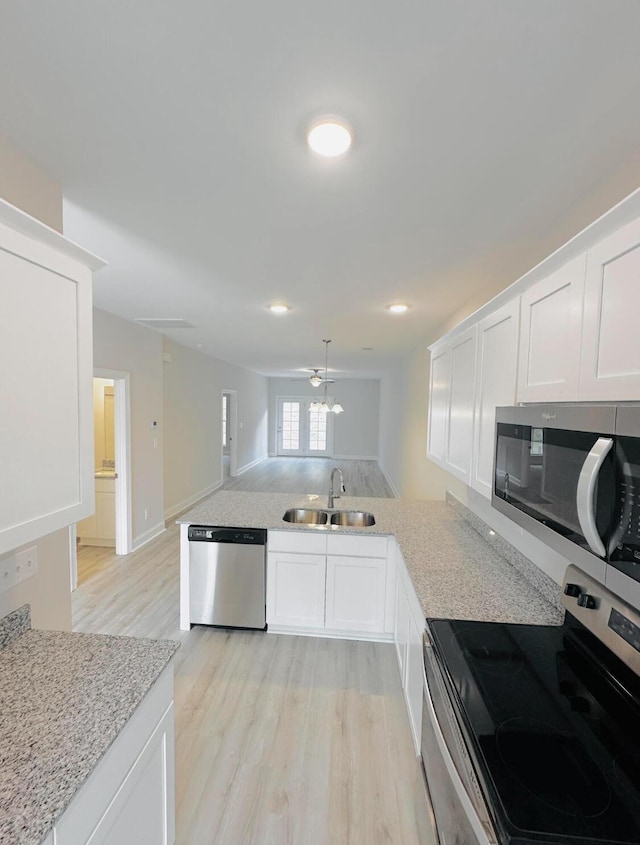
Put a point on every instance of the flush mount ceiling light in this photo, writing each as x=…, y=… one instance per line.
x=329, y=137
x=397, y=308
x=325, y=407
x=278, y=308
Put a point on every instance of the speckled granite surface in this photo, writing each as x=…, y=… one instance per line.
x=456, y=574
x=14, y=624
x=63, y=700
x=545, y=585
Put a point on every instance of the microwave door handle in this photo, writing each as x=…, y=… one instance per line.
x=585, y=497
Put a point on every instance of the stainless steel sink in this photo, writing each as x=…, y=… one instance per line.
x=306, y=516
x=353, y=519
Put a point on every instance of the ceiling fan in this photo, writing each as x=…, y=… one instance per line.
x=316, y=379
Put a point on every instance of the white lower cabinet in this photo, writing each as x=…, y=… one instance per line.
x=355, y=595
x=409, y=629
x=328, y=584
x=129, y=798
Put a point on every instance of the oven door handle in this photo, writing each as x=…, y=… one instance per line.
x=585, y=495
x=484, y=837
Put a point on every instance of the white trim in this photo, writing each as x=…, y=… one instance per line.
x=355, y=457
x=148, y=536
x=191, y=501
x=322, y=633
x=251, y=464
x=73, y=556
x=30, y=227
x=232, y=432
x=122, y=428
x=387, y=478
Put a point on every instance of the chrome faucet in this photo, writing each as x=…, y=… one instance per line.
x=332, y=494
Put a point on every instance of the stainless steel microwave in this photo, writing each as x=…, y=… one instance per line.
x=570, y=475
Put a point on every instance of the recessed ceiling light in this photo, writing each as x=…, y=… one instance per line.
x=397, y=308
x=279, y=309
x=329, y=137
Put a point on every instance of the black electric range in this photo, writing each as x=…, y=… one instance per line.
x=551, y=720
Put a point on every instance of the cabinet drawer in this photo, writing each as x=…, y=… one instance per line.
x=356, y=545
x=310, y=542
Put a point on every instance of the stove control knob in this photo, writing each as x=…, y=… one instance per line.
x=572, y=590
x=587, y=601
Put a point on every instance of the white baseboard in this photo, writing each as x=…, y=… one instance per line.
x=394, y=489
x=148, y=536
x=251, y=465
x=329, y=635
x=186, y=504
x=97, y=541
x=355, y=457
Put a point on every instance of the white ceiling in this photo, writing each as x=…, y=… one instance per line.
x=177, y=131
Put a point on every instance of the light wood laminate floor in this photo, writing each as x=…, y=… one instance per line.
x=279, y=740
x=311, y=475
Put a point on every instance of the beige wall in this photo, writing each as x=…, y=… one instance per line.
x=27, y=186
x=127, y=347
x=193, y=385
x=355, y=433
x=101, y=451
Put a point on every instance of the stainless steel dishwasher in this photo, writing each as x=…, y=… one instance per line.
x=227, y=576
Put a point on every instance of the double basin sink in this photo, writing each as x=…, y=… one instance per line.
x=313, y=516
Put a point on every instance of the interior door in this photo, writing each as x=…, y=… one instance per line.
x=302, y=432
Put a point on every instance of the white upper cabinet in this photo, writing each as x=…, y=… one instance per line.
x=610, y=368
x=439, y=403
x=451, y=407
x=550, y=337
x=461, y=404
x=46, y=369
x=495, y=386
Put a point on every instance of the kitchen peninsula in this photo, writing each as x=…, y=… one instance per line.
x=453, y=569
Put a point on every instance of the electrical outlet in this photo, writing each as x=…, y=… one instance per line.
x=26, y=563
x=7, y=573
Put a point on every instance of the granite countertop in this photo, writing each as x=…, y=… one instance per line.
x=63, y=700
x=456, y=572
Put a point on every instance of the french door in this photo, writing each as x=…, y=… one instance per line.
x=303, y=432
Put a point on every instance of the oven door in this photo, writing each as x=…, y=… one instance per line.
x=457, y=802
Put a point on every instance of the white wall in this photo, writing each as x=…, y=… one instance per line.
x=192, y=411
x=355, y=431
x=121, y=345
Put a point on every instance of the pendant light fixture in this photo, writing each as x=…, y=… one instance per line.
x=324, y=407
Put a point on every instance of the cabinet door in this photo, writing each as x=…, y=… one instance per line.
x=439, y=404
x=355, y=599
x=414, y=680
x=46, y=449
x=610, y=367
x=401, y=635
x=549, y=359
x=129, y=797
x=138, y=812
x=461, y=404
x=295, y=589
x=106, y=515
x=495, y=386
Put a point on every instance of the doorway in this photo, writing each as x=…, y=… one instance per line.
x=229, y=422
x=302, y=432
x=111, y=523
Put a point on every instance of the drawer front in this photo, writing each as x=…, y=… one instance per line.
x=357, y=545
x=311, y=541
